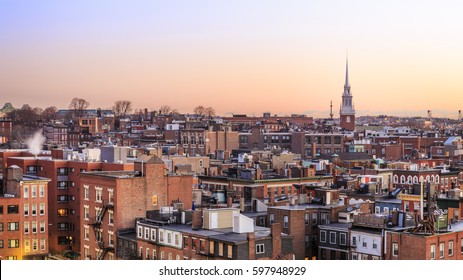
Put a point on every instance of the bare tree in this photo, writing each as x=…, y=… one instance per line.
x=49, y=113
x=78, y=106
x=209, y=111
x=122, y=107
x=199, y=110
x=165, y=110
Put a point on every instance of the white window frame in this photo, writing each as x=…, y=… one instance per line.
x=260, y=248
x=332, y=235
x=341, y=234
x=441, y=250
x=323, y=236
x=450, y=248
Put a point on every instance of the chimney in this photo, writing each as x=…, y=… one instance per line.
x=271, y=202
x=275, y=231
x=242, y=204
x=197, y=219
x=230, y=202
x=251, y=246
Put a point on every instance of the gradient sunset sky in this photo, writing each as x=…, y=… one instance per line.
x=283, y=57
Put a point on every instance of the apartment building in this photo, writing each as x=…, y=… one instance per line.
x=24, y=224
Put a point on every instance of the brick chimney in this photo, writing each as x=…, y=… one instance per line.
x=197, y=219
x=252, y=246
x=271, y=201
x=229, y=202
x=275, y=231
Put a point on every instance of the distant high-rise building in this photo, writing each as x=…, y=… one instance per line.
x=347, y=112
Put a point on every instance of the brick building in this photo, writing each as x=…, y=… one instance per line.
x=24, y=224
x=111, y=201
x=63, y=194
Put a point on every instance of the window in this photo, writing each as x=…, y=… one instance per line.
x=169, y=238
x=86, y=212
x=63, y=240
x=314, y=218
x=185, y=242
x=63, y=226
x=211, y=247
x=451, y=248
x=13, y=209
x=1, y=226
x=62, y=171
x=260, y=249
x=63, y=212
x=13, y=243
x=35, y=245
x=62, y=185
x=307, y=218
x=193, y=244
x=1, y=209
x=332, y=237
x=461, y=246
x=42, y=244
x=34, y=227
x=153, y=234
x=322, y=236
x=162, y=255
x=155, y=257
x=110, y=195
x=177, y=239
x=272, y=218
x=26, y=191
x=86, y=192
x=111, y=240
x=86, y=232
x=342, y=238
x=42, y=191
x=140, y=232
x=42, y=209
x=433, y=251
x=26, y=227
x=202, y=245
x=98, y=195
x=354, y=241
x=42, y=227
x=110, y=217
x=375, y=246
x=364, y=242
x=1, y=243
x=26, y=209
x=220, y=249
x=441, y=250
x=62, y=198
x=34, y=210
x=13, y=226
x=27, y=245
x=31, y=169
x=285, y=221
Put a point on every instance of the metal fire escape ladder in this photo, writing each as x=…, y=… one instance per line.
x=96, y=225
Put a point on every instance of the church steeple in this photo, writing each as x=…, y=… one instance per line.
x=347, y=85
x=347, y=111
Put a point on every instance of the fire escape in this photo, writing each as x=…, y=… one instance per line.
x=96, y=225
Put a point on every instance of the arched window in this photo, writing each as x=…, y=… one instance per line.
x=415, y=179
x=396, y=179
x=402, y=179
x=409, y=179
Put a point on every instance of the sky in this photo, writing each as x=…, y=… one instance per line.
x=241, y=57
